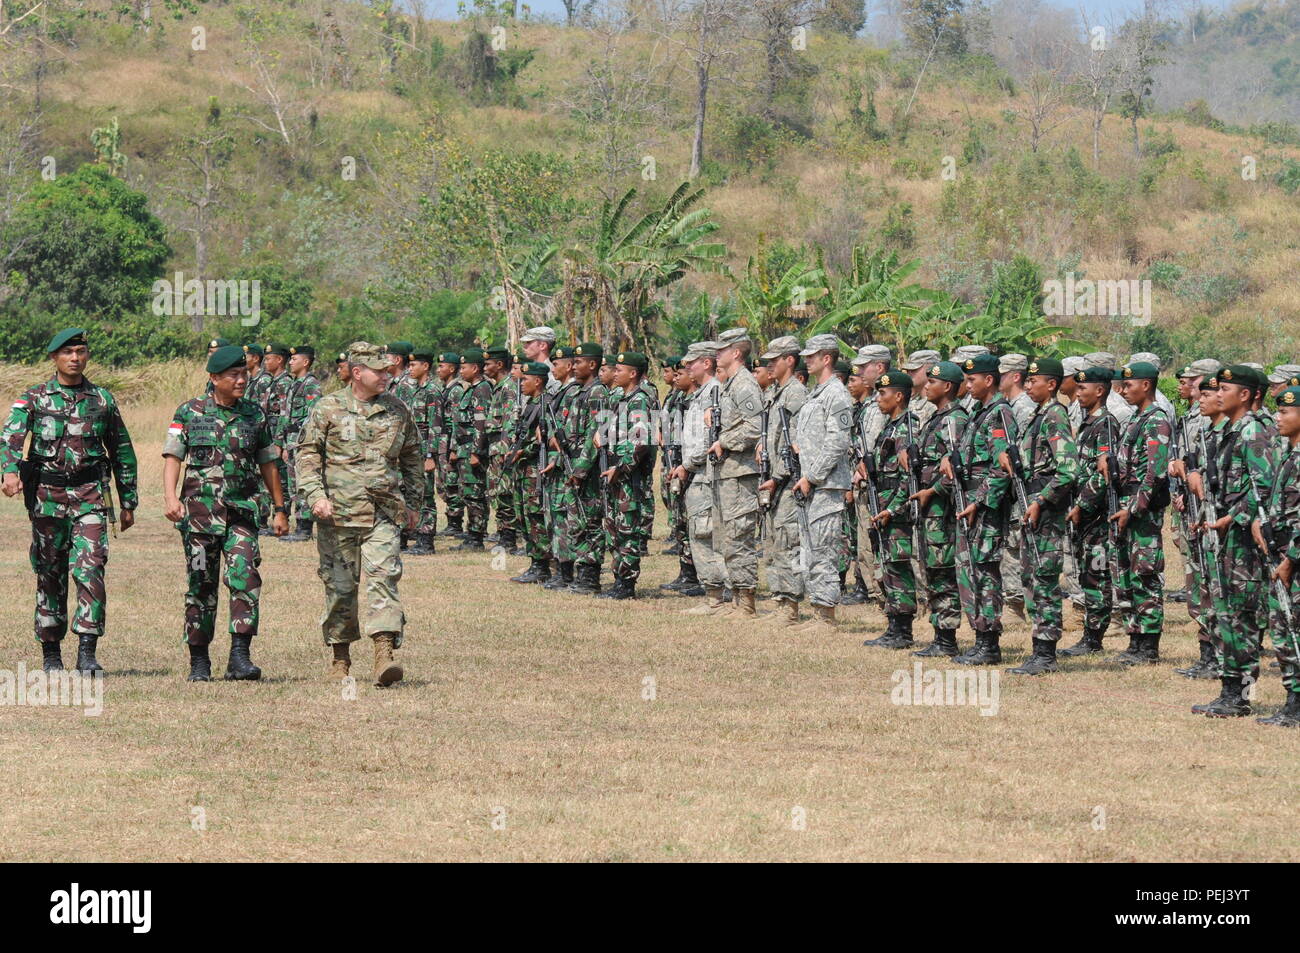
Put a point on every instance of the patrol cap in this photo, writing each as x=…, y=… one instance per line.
x=539, y=333
x=919, y=359
x=1288, y=374
x=254, y=349
x=700, y=349
x=981, y=364
x=1072, y=365
x=1008, y=363
x=498, y=354
x=843, y=367
x=1141, y=371
x=564, y=352
x=401, y=348
x=592, y=349
x=820, y=342
x=1094, y=375
x=945, y=371
x=871, y=352
x=278, y=349
x=448, y=357
x=1146, y=357
x=632, y=359
x=471, y=355
x=66, y=337
x=1289, y=397
x=536, y=369
x=306, y=350
x=422, y=354
x=732, y=336
x=1205, y=367
x=219, y=342
x=373, y=356
x=898, y=380
x=966, y=352
x=1048, y=366
x=789, y=344
x=226, y=357
x=1102, y=359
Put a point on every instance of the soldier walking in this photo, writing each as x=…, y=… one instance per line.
x=299, y=398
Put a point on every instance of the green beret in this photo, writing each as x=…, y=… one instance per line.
x=1140, y=371
x=218, y=342
x=981, y=364
x=498, y=354
x=306, y=350
x=564, y=352
x=521, y=357
x=588, y=349
x=226, y=357
x=255, y=349
x=403, y=348
x=448, y=357
x=1210, y=382
x=899, y=380
x=1047, y=366
x=1094, y=375
x=1240, y=374
x=66, y=337
x=673, y=361
x=1289, y=397
x=471, y=355
x=279, y=349
x=422, y=355
x=536, y=369
x=843, y=367
x=945, y=371
x=632, y=359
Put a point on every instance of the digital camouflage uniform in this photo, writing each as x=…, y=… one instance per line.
x=709, y=564
x=365, y=457
x=78, y=436
x=821, y=433
x=1022, y=409
x=299, y=398
x=742, y=408
x=222, y=448
x=471, y=439
x=784, y=578
x=500, y=417
x=1143, y=488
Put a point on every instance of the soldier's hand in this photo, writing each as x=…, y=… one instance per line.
x=767, y=486
x=1121, y=518
x=715, y=449
x=903, y=460
x=803, y=486
x=1004, y=461
x=428, y=466
x=1177, y=469
x=923, y=496
x=126, y=519
x=1257, y=535
x=882, y=518
x=1032, y=514
x=1196, y=484
x=860, y=474
x=1222, y=523
x=608, y=475
x=279, y=524
x=945, y=467
x=473, y=459
x=679, y=474
x=12, y=485
x=412, y=518
x=967, y=514
x=1103, y=467
x=174, y=511
x=849, y=497
x=1075, y=515
x=1283, y=572
x=1180, y=504
x=323, y=509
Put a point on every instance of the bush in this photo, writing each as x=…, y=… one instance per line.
x=1164, y=274
x=1013, y=283
x=899, y=231
x=25, y=332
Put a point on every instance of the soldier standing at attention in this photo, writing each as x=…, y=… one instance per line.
x=399, y=366
x=257, y=377
x=79, y=442
x=629, y=439
x=871, y=361
x=860, y=394
x=580, y=517
x=671, y=365
x=500, y=416
x=1014, y=368
x=1051, y=469
x=299, y=398
x=647, y=460
x=687, y=582
x=360, y=470
x=788, y=395
x=821, y=442
x=442, y=426
x=528, y=501
x=225, y=444
x=471, y=446
x=918, y=365
x=1283, y=506
x=422, y=397
x=697, y=474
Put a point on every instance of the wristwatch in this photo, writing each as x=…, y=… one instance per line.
x=282, y=509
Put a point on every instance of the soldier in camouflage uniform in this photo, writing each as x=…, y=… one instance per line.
x=400, y=384
x=442, y=429
x=648, y=512
x=629, y=474
x=470, y=446
x=870, y=362
x=1013, y=368
x=934, y=497
x=696, y=474
x=821, y=442
x=561, y=391
x=524, y=462
x=687, y=582
x=671, y=366
x=1282, y=509
x=419, y=402
x=500, y=417
x=1238, y=476
x=988, y=503
x=859, y=393
x=785, y=580
x=299, y=398
x=225, y=444
x=1050, y=462
x=360, y=467
x=78, y=441
x=578, y=417
x=271, y=396
x=918, y=364
x=258, y=381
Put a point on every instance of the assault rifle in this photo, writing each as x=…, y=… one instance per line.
x=794, y=473
x=1019, y=478
x=914, y=486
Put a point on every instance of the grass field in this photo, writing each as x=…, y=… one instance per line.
x=521, y=733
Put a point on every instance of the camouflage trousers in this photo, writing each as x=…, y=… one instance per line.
x=347, y=556
x=1200, y=604
x=63, y=546
x=740, y=530
x=429, y=507
x=501, y=491
x=567, y=525
x=983, y=579
x=448, y=482
x=1095, y=575
x=205, y=554
x=941, y=591
x=1286, y=641
x=850, y=529
x=1141, y=582
x=528, y=507
x=1240, y=613
x=710, y=567
x=680, y=524
x=940, y=554
x=625, y=529
x=473, y=493
x=781, y=554
x=1012, y=576
x=1040, y=578
x=821, y=583
x=584, y=523
x=898, y=579
x=293, y=499
x=646, y=478
x=864, y=552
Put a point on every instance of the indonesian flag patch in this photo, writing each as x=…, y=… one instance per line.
x=176, y=429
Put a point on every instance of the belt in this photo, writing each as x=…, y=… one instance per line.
x=91, y=474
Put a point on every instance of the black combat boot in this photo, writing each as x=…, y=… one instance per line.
x=582, y=583
x=883, y=640
x=674, y=545
x=1204, y=667
x=1041, y=662
x=533, y=573
x=506, y=540
x=299, y=535
x=86, y=654
x=691, y=584
x=564, y=579
x=200, y=664
x=944, y=644
x=473, y=543
x=860, y=590
x=1090, y=644
x=1134, y=643
x=423, y=545
x=681, y=578
x=1229, y=704
x=986, y=651
x=240, y=668
x=406, y=541
x=622, y=589
x=52, y=656
x=1146, y=652
x=1288, y=716
x=849, y=596
x=902, y=633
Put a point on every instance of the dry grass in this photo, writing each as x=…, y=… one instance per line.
x=532, y=702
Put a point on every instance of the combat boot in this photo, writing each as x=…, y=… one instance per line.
x=1288, y=716
x=1145, y=652
x=787, y=613
x=299, y=535
x=563, y=580
x=533, y=573
x=240, y=667
x=342, y=662
x=742, y=606
x=883, y=640
x=622, y=589
x=902, y=633
x=944, y=645
x=387, y=671
x=423, y=545
x=454, y=527
x=1041, y=662
x=52, y=656
x=714, y=604
x=200, y=664
x=691, y=583
x=586, y=580
x=1229, y=704
x=1090, y=644
x=676, y=583
x=1207, y=666
x=821, y=621
x=473, y=542
x=506, y=540
x=86, y=661
x=986, y=651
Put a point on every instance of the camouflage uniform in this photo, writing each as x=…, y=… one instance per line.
x=365, y=457
x=674, y=415
x=742, y=407
x=822, y=432
x=222, y=448
x=471, y=439
x=1284, y=509
x=78, y=436
x=648, y=512
x=566, y=533
x=443, y=421
x=256, y=391
x=938, y=520
x=709, y=564
x=783, y=576
x=532, y=516
x=1022, y=409
x=898, y=582
x=867, y=424
x=632, y=491
x=272, y=398
x=421, y=406
x=582, y=517
x=1143, y=488
x=500, y=415
x=1092, y=536
x=299, y=398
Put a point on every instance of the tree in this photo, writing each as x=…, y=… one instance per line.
x=777, y=21
x=1141, y=44
x=262, y=38
x=934, y=26
x=206, y=154
x=1096, y=81
x=706, y=31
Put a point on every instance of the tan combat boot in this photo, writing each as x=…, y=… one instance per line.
x=823, y=620
x=342, y=661
x=386, y=670
x=742, y=605
x=787, y=616
x=713, y=604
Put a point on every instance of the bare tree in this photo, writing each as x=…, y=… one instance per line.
x=203, y=156
x=706, y=31
x=1140, y=47
x=263, y=41
x=1097, y=78
x=776, y=22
